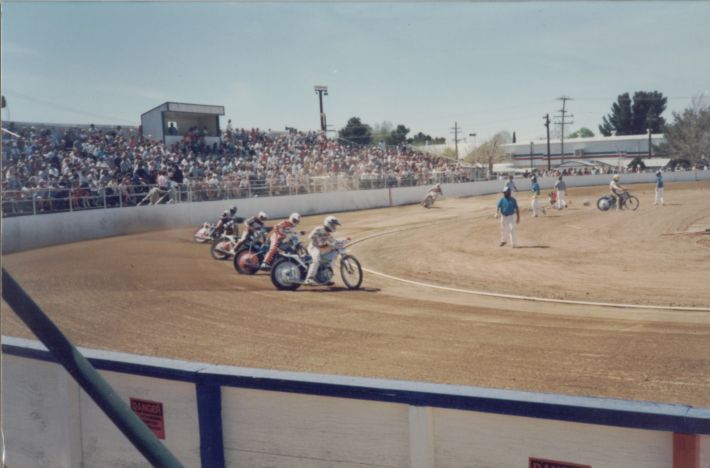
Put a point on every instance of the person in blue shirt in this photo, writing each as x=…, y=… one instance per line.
x=535, y=189
x=659, y=188
x=507, y=211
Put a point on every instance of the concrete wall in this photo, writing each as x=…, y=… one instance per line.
x=30, y=232
x=260, y=418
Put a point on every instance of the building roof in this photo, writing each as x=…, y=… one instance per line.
x=595, y=139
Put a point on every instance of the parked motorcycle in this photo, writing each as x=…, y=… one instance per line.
x=289, y=272
x=607, y=202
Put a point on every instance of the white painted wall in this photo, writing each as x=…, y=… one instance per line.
x=277, y=429
x=488, y=440
x=104, y=445
x=49, y=422
x=30, y=232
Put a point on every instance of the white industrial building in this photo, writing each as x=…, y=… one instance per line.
x=170, y=121
x=612, y=150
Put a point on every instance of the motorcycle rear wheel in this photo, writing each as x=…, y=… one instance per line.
x=287, y=275
x=200, y=237
x=217, y=254
x=246, y=262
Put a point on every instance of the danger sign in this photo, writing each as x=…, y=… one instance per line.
x=542, y=463
x=151, y=413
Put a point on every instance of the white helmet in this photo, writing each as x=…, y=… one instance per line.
x=616, y=177
x=658, y=172
x=330, y=222
x=262, y=216
x=295, y=218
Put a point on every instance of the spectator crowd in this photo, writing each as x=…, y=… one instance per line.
x=50, y=168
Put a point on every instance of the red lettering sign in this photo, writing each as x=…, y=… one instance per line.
x=542, y=463
x=151, y=413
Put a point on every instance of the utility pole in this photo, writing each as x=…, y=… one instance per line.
x=650, y=150
x=320, y=91
x=563, y=115
x=456, y=130
x=547, y=126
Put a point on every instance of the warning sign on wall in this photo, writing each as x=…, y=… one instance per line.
x=542, y=463
x=151, y=413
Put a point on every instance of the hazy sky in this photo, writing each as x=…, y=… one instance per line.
x=488, y=66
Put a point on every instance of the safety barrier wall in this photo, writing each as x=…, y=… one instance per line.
x=268, y=418
x=29, y=232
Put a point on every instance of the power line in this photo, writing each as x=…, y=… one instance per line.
x=68, y=109
x=561, y=123
x=456, y=130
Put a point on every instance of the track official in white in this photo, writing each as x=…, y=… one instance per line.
x=561, y=188
x=509, y=216
x=659, y=189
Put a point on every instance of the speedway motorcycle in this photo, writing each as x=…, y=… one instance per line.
x=628, y=202
x=289, y=272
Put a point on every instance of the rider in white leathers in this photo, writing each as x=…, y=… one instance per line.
x=322, y=248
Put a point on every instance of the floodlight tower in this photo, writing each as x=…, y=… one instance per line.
x=320, y=91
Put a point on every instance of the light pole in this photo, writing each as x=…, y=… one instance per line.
x=650, y=151
x=474, y=139
x=320, y=91
x=532, y=145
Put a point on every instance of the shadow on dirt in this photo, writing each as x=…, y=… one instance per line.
x=324, y=289
x=532, y=247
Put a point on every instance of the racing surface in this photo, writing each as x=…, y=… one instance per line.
x=161, y=294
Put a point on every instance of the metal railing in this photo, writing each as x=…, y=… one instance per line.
x=56, y=200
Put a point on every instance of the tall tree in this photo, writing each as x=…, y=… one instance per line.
x=490, y=151
x=688, y=136
x=583, y=132
x=629, y=117
x=423, y=139
x=398, y=135
x=356, y=132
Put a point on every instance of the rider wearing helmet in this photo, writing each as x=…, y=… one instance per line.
x=226, y=218
x=253, y=227
x=279, y=233
x=322, y=248
x=616, y=190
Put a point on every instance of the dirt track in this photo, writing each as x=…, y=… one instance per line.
x=161, y=294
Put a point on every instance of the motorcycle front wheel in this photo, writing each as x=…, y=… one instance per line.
x=350, y=271
x=631, y=203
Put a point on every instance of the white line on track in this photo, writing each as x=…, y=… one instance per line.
x=510, y=296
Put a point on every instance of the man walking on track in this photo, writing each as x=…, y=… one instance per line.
x=561, y=188
x=507, y=207
x=659, y=189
